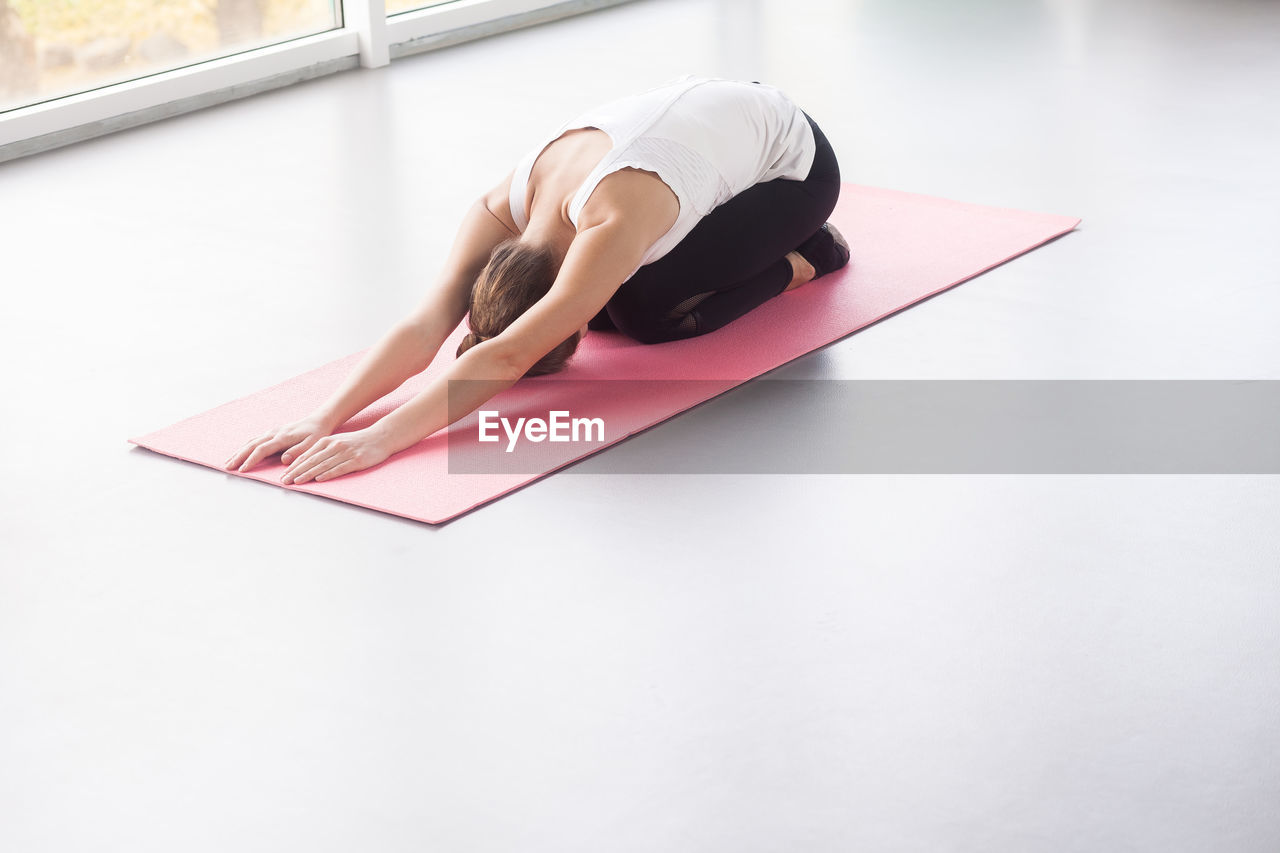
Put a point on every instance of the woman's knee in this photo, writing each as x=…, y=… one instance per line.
x=648, y=326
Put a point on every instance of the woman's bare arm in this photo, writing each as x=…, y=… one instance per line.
x=599, y=259
x=413, y=343
x=608, y=247
x=402, y=352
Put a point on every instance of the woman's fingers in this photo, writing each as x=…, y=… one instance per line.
x=245, y=451
x=316, y=457
x=290, y=440
x=338, y=470
x=314, y=467
x=236, y=458
x=311, y=462
x=306, y=457
x=265, y=448
x=299, y=449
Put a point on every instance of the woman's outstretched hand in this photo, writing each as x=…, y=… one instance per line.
x=335, y=455
x=293, y=439
x=312, y=453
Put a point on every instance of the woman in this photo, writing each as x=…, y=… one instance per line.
x=663, y=215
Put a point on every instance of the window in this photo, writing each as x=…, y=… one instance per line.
x=53, y=48
x=75, y=69
x=395, y=6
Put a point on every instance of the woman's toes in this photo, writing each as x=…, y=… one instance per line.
x=839, y=238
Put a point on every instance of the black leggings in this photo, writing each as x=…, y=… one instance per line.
x=733, y=260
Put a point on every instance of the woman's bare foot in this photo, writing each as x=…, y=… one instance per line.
x=839, y=238
x=802, y=271
x=829, y=250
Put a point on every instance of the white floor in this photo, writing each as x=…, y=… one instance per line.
x=194, y=662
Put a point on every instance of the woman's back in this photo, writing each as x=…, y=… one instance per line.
x=707, y=139
x=747, y=133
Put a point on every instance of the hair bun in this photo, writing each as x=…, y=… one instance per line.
x=468, y=341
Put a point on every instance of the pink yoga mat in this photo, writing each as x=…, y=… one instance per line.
x=905, y=247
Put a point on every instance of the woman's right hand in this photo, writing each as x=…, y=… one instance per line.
x=293, y=439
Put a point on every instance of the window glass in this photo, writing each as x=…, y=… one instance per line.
x=394, y=6
x=51, y=48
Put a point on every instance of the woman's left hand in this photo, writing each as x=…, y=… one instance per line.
x=335, y=455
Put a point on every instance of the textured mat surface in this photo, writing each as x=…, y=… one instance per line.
x=906, y=247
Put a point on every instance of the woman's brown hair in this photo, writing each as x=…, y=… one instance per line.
x=516, y=276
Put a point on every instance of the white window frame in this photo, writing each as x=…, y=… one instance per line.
x=368, y=38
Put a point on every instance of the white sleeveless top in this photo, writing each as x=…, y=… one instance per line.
x=706, y=138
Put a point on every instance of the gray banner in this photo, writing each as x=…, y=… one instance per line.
x=884, y=427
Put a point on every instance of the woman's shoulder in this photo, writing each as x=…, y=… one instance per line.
x=638, y=200
x=498, y=200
